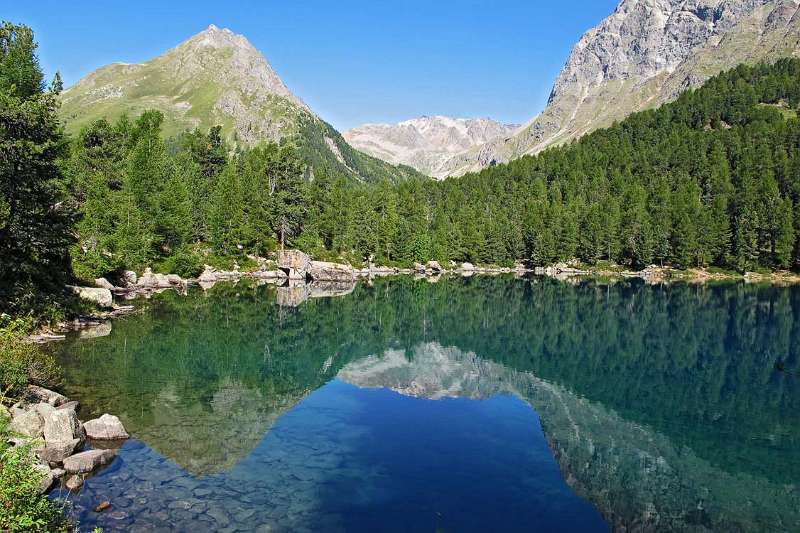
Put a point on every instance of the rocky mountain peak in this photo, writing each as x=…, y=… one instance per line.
x=643, y=55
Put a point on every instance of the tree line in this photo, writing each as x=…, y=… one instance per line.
x=712, y=179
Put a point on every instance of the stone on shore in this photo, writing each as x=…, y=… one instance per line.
x=74, y=482
x=47, y=477
x=96, y=295
x=56, y=452
x=85, y=462
x=28, y=424
x=59, y=424
x=434, y=266
x=419, y=268
x=467, y=267
x=72, y=405
x=103, y=283
x=295, y=263
x=36, y=394
x=324, y=271
x=129, y=279
x=107, y=427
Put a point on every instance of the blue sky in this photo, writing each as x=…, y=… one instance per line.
x=352, y=62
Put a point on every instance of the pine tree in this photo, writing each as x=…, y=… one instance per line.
x=35, y=222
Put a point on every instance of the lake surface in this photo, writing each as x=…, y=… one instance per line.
x=475, y=404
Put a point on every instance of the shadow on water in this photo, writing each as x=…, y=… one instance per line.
x=397, y=404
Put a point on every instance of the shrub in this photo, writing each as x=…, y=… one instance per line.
x=185, y=262
x=22, y=362
x=22, y=508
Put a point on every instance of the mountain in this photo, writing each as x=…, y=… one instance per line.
x=218, y=78
x=643, y=55
x=426, y=143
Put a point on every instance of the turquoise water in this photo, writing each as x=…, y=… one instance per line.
x=480, y=404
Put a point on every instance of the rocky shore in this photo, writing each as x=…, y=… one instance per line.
x=66, y=450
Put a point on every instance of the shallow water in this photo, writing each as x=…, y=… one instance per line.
x=482, y=404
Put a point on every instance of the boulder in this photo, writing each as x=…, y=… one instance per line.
x=72, y=405
x=419, y=267
x=147, y=280
x=60, y=425
x=467, y=267
x=294, y=262
x=209, y=275
x=174, y=280
x=47, y=477
x=85, y=462
x=107, y=427
x=129, y=279
x=74, y=483
x=103, y=283
x=324, y=271
x=36, y=394
x=433, y=266
x=96, y=295
x=28, y=424
x=56, y=452
x=58, y=473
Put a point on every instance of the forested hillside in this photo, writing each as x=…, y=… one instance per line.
x=711, y=179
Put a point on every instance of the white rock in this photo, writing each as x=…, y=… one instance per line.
x=103, y=283
x=107, y=427
x=101, y=297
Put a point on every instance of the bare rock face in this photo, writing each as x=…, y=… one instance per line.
x=85, y=462
x=643, y=55
x=107, y=427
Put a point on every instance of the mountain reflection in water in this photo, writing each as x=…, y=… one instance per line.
x=660, y=406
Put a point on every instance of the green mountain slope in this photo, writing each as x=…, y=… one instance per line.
x=219, y=78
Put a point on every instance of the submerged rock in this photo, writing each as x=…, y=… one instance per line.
x=107, y=427
x=85, y=462
x=74, y=482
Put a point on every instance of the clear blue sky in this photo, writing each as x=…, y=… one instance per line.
x=352, y=62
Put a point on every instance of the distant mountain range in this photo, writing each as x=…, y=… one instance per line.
x=219, y=78
x=644, y=54
x=427, y=143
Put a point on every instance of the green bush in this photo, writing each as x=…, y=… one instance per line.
x=22, y=362
x=22, y=508
x=185, y=262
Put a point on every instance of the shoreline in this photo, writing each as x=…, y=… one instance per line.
x=340, y=274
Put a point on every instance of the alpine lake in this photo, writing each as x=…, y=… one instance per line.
x=470, y=404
